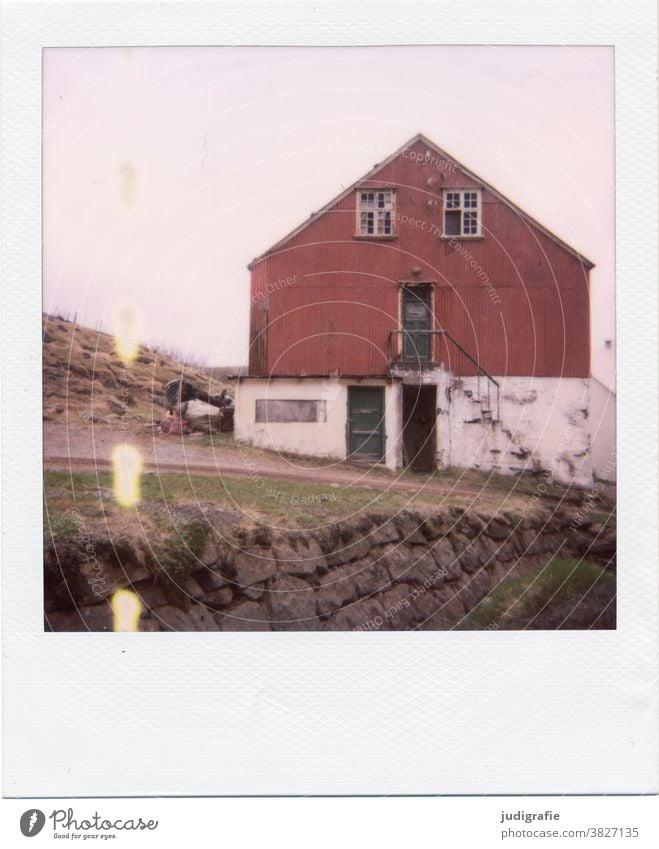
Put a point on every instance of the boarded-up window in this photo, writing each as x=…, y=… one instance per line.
x=271, y=410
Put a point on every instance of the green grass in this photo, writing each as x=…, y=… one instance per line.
x=281, y=502
x=565, y=593
x=179, y=555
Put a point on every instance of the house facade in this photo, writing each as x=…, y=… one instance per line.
x=421, y=319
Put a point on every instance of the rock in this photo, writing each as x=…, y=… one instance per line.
x=446, y=559
x=396, y=559
x=409, y=529
x=408, y=606
x=190, y=587
x=253, y=565
x=306, y=559
x=260, y=535
x=247, y=616
x=85, y=571
x=293, y=604
x=383, y=534
x=365, y=615
x=468, y=551
x=150, y=593
x=434, y=526
x=92, y=418
x=218, y=598
x=498, y=528
x=356, y=550
x=423, y=567
x=395, y=601
x=370, y=576
x=255, y=592
x=209, y=579
x=197, y=618
x=337, y=588
x=97, y=617
x=210, y=554
x=476, y=589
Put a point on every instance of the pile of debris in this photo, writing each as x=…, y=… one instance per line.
x=192, y=409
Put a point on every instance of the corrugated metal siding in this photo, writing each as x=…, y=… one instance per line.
x=344, y=300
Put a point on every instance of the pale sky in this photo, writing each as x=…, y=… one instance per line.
x=167, y=169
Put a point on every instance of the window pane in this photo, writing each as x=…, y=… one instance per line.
x=470, y=223
x=452, y=223
x=453, y=200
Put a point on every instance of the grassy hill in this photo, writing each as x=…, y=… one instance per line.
x=85, y=381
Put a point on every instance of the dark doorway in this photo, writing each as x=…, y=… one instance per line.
x=420, y=427
x=366, y=423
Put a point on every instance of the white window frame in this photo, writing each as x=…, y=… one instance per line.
x=464, y=210
x=378, y=212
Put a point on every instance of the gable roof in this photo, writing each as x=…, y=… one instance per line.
x=447, y=156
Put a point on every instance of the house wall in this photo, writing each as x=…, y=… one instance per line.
x=318, y=439
x=543, y=427
x=543, y=423
x=603, y=430
x=326, y=300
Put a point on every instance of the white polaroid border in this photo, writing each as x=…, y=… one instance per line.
x=330, y=713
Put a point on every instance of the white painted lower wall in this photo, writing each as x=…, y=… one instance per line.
x=543, y=427
x=326, y=439
x=543, y=422
x=603, y=430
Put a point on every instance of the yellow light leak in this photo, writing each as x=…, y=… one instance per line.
x=127, y=466
x=126, y=609
x=126, y=323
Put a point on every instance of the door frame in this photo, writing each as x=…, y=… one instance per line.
x=383, y=430
x=430, y=439
x=417, y=284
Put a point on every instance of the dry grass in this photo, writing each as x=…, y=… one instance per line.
x=84, y=380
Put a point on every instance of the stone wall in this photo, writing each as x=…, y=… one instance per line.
x=374, y=572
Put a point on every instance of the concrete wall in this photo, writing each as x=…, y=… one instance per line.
x=316, y=439
x=603, y=430
x=543, y=425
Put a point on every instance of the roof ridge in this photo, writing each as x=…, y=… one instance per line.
x=380, y=165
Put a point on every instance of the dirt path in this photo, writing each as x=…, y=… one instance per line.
x=89, y=448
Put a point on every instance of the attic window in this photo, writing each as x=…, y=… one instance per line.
x=462, y=212
x=375, y=213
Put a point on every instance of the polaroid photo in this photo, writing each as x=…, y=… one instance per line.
x=329, y=358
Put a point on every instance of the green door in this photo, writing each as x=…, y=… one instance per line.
x=366, y=422
x=416, y=318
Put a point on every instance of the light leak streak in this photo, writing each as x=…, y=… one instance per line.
x=127, y=468
x=126, y=325
x=126, y=609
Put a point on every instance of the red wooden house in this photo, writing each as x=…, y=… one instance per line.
x=421, y=318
